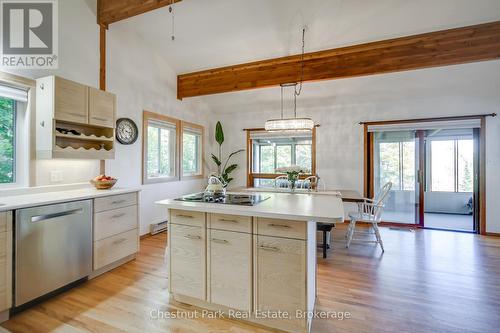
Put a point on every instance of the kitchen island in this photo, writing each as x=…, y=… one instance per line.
x=251, y=262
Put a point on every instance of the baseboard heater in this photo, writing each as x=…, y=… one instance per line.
x=156, y=228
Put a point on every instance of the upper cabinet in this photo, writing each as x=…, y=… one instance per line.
x=71, y=101
x=101, y=108
x=74, y=120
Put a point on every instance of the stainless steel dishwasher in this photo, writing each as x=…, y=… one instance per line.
x=53, y=248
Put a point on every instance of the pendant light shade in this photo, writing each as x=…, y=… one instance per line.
x=289, y=124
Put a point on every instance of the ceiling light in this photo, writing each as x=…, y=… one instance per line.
x=292, y=124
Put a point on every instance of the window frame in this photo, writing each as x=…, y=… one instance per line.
x=251, y=176
x=178, y=155
x=201, y=153
x=24, y=166
x=147, y=116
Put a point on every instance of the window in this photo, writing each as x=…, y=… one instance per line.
x=192, y=150
x=171, y=149
x=7, y=140
x=14, y=136
x=397, y=164
x=271, y=151
x=452, y=165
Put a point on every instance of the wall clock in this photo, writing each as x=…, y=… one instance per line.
x=126, y=131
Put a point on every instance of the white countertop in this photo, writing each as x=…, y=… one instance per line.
x=46, y=198
x=299, y=207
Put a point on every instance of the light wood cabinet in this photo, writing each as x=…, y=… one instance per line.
x=116, y=230
x=5, y=260
x=73, y=120
x=101, y=108
x=187, y=246
x=70, y=101
x=280, y=278
x=230, y=269
x=231, y=222
x=256, y=265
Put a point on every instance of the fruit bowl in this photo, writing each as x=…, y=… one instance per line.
x=103, y=182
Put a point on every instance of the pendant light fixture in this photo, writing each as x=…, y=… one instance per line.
x=292, y=124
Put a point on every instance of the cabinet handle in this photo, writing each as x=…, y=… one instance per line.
x=280, y=226
x=269, y=248
x=118, y=215
x=220, y=241
x=76, y=114
x=192, y=237
x=225, y=220
x=119, y=241
x=185, y=216
x=99, y=118
x=117, y=202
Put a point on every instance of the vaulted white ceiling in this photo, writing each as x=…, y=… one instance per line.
x=214, y=33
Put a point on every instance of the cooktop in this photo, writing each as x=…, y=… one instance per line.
x=229, y=199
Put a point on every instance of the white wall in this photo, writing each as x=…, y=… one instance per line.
x=143, y=80
x=79, y=61
x=338, y=106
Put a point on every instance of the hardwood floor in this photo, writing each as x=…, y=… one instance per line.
x=426, y=281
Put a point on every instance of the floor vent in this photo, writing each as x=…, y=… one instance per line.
x=158, y=227
x=402, y=229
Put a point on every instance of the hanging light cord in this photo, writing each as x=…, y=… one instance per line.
x=171, y=11
x=297, y=92
x=281, y=101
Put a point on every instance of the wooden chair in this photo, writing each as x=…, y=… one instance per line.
x=369, y=211
x=281, y=182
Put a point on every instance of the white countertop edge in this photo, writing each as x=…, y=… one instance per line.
x=244, y=211
x=49, y=198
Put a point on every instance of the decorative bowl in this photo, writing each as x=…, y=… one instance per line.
x=103, y=184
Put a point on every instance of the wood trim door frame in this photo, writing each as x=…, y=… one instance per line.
x=481, y=195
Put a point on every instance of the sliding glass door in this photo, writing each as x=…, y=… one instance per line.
x=396, y=160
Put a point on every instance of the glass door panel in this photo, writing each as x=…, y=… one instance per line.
x=396, y=160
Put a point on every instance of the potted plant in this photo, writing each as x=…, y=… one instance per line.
x=223, y=169
x=292, y=173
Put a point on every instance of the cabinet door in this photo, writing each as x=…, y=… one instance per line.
x=230, y=269
x=280, y=278
x=187, y=261
x=70, y=101
x=6, y=261
x=101, y=108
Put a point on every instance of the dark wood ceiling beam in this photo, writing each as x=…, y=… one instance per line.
x=110, y=11
x=440, y=48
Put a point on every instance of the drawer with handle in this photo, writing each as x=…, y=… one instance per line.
x=112, y=222
x=196, y=219
x=111, y=249
x=114, y=202
x=281, y=228
x=231, y=222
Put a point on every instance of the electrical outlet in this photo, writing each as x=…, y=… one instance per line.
x=56, y=176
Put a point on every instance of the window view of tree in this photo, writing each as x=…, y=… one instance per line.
x=266, y=159
x=303, y=156
x=160, y=155
x=452, y=165
x=408, y=172
x=283, y=156
x=390, y=164
x=397, y=164
x=7, y=140
x=190, y=153
x=465, y=165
